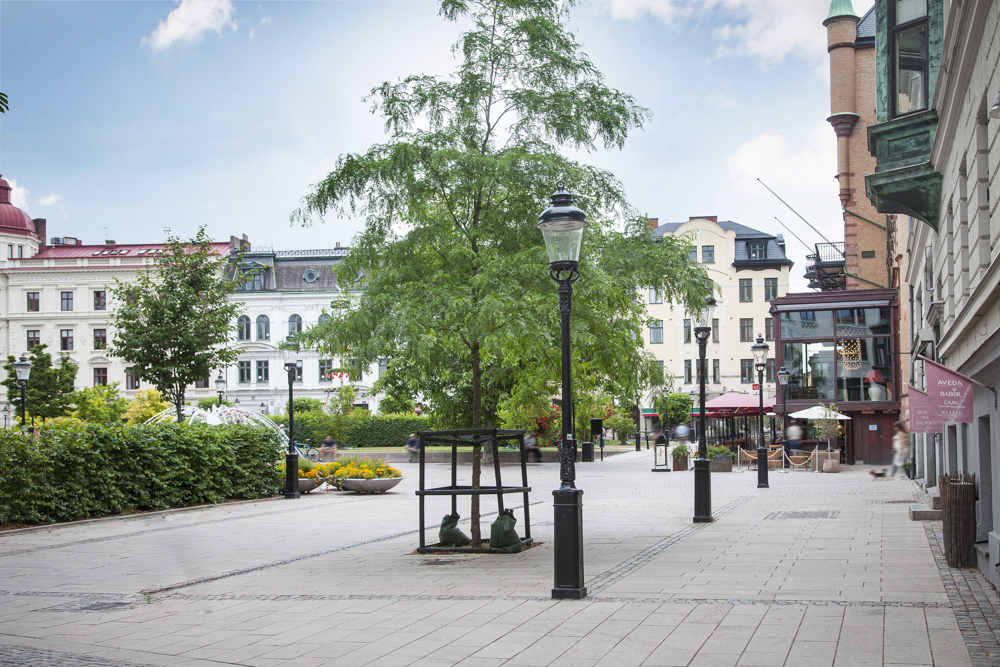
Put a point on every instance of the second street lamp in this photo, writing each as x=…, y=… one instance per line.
x=220, y=387
x=702, y=475
x=783, y=376
x=759, y=350
x=292, y=455
x=562, y=226
x=22, y=369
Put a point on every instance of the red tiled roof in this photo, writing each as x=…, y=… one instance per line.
x=106, y=250
x=13, y=219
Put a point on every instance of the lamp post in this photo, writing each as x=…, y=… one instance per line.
x=292, y=455
x=220, y=387
x=263, y=408
x=562, y=226
x=759, y=350
x=6, y=411
x=702, y=476
x=783, y=377
x=22, y=368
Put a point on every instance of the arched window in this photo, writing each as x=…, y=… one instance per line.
x=243, y=328
x=324, y=318
x=294, y=325
x=263, y=328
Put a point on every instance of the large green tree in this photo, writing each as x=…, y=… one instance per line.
x=454, y=275
x=175, y=324
x=49, y=392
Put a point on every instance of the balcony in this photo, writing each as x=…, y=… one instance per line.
x=825, y=269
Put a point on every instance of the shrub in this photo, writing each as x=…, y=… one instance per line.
x=680, y=452
x=362, y=429
x=146, y=404
x=715, y=450
x=74, y=470
x=208, y=403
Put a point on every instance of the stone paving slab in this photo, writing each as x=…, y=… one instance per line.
x=817, y=570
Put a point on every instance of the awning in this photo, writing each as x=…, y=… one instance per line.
x=738, y=403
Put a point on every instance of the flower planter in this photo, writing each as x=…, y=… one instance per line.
x=680, y=464
x=721, y=463
x=831, y=465
x=306, y=485
x=378, y=485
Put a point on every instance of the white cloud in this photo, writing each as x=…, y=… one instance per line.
x=49, y=199
x=18, y=195
x=251, y=33
x=190, y=20
x=267, y=19
x=769, y=30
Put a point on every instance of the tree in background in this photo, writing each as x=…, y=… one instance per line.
x=342, y=400
x=146, y=404
x=305, y=405
x=50, y=388
x=175, y=323
x=100, y=404
x=674, y=409
x=455, y=275
x=394, y=404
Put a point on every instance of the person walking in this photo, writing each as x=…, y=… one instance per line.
x=793, y=438
x=412, y=446
x=900, y=450
x=531, y=446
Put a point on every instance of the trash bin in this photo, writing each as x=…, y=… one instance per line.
x=958, y=518
x=588, y=452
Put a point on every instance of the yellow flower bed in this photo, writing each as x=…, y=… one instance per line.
x=349, y=468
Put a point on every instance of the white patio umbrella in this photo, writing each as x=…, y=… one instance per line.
x=817, y=412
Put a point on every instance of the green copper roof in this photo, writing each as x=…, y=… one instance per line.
x=841, y=8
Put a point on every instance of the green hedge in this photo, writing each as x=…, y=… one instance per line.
x=358, y=429
x=70, y=471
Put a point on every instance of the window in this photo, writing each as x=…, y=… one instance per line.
x=325, y=370
x=928, y=269
x=715, y=330
x=243, y=328
x=770, y=289
x=870, y=377
x=708, y=254
x=746, y=290
x=324, y=318
x=10, y=252
x=34, y=338
x=263, y=328
x=100, y=300
x=746, y=371
x=100, y=339
x=66, y=301
x=757, y=249
x=867, y=254
x=298, y=371
x=34, y=302
x=656, y=331
x=383, y=366
x=811, y=370
x=132, y=379
x=769, y=328
x=263, y=374
x=20, y=251
x=687, y=371
x=198, y=384
x=66, y=340
x=746, y=329
x=807, y=324
x=769, y=370
x=655, y=296
x=294, y=325
x=244, y=370
x=100, y=377
x=687, y=331
x=909, y=54
x=694, y=253
x=716, y=374
x=255, y=279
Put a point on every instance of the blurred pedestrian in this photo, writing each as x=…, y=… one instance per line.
x=531, y=446
x=900, y=450
x=412, y=446
x=328, y=447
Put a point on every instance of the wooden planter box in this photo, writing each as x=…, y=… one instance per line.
x=681, y=464
x=721, y=463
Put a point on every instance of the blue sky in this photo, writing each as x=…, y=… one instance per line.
x=142, y=116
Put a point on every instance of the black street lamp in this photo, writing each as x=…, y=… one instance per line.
x=220, y=386
x=562, y=226
x=292, y=455
x=263, y=408
x=783, y=377
x=702, y=476
x=759, y=350
x=22, y=368
x=6, y=411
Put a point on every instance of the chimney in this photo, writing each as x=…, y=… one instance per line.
x=653, y=222
x=109, y=241
x=338, y=244
x=713, y=218
x=781, y=243
x=40, y=228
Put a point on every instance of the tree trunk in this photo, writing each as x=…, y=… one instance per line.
x=477, y=470
x=180, y=408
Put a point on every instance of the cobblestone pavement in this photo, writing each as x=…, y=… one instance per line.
x=817, y=570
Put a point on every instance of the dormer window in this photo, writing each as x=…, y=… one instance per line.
x=757, y=249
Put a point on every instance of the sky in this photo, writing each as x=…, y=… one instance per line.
x=131, y=118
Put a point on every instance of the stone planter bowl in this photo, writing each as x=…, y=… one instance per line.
x=370, y=485
x=306, y=485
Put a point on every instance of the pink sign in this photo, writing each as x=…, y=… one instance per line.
x=919, y=419
x=949, y=394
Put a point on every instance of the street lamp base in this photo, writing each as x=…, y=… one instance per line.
x=702, y=491
x=291, y=476
x=569, y=593
x=568, y=544
x=762, y=469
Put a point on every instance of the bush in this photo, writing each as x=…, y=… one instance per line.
x=715, y=450
x=209, y=403
x=362, y=429
x=312, y=426
x=70, y=471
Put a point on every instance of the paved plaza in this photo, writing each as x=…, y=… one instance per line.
x=818, y=570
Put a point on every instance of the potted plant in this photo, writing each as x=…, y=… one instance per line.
x=829, y=427
x=680, y=457
x=720, y=459
x=364, y=475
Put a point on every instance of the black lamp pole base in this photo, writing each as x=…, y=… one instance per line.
x=702, y=492
x=762, y=469
x=568, y=545
x=291, y=476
